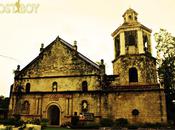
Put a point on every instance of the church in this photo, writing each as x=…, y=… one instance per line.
x=61, y=82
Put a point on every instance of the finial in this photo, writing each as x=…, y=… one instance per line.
x=58, y=38
x=42, y=47
x=18, y=68
x=75, y=45
x=102, y=61
x=102, y=67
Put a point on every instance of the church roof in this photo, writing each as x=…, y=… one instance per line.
x=87, y=60
x=133, y=25
x=80, y=55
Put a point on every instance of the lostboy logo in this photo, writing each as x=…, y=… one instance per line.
x=18, y=7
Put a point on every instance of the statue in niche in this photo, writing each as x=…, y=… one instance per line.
x=84, y=106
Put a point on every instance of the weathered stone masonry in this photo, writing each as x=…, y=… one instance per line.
x=61, y=82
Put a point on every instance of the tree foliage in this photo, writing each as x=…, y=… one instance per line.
x=4, y=102
x=166, y=59
x=165, y=44
x=166, y=67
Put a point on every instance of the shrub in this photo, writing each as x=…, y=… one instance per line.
x=88, y=125
x=44, y=122
x=36, y=121
x=106, y=122
x=12, y=121
x=8, y=128
x=170, y=124
x=91, y=125
x=133, y=126
x=17, y=117
x=121, y=122
x=30, y=128
x=152, y=125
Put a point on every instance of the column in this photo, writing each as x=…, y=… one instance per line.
x=140, y=41
x=122, y=43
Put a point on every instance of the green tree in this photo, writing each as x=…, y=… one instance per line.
x=166, y=67
x=4, y=102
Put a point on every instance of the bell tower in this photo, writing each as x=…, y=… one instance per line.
x=133, y=60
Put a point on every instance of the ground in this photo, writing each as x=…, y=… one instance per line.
x=97, y=129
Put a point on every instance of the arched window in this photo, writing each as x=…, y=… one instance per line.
x=84, y=106
x=131, y=40
x=28, y=88
x=133, y=76
x=54, y=86
x=117, y=46
x=25, y=107
x=84, y=86
x=145, y=39
x=145, y=43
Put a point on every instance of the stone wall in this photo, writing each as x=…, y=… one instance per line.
x=66, y=83
x=150, y=105
x=58, y=59
x=146, y=67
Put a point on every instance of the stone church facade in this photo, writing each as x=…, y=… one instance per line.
x=61, y=82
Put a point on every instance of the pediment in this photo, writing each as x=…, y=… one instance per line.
x=59, y=59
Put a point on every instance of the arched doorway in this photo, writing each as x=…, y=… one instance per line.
x=54, y=115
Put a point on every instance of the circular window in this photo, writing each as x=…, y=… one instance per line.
x=135, y=112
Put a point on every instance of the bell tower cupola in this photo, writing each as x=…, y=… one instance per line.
x=130, y=16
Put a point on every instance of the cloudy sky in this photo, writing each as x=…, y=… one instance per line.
x=89, y=22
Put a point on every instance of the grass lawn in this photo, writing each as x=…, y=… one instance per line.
x=56, y=129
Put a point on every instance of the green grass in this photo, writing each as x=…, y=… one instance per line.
x=56, y=129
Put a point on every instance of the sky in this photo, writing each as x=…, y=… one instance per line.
x=90, y=22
